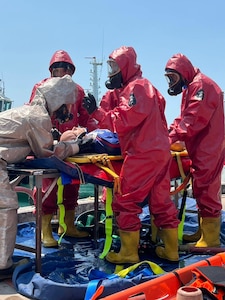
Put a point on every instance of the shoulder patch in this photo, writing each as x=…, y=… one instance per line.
x=132, y=100
x=199, y=95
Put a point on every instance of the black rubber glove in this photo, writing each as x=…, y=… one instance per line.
x=89, y=103
x=85, y=145
x=55, y=134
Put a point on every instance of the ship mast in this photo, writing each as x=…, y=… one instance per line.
x=2, y=88
x=94, y=79
x=5, y=102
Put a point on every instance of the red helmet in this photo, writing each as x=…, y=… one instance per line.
x=60, y=59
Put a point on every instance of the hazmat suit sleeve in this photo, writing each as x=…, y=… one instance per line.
x=129, y=113
x=27, y=130
x=197, y=109
x=41, y=143
x=54, y=92
x=128, y=117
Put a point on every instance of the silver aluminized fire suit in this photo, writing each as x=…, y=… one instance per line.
x=24, y=131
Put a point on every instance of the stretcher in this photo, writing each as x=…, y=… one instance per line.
x=95, y=164
x=97, y=169
x=101, y=169
x=167, y=285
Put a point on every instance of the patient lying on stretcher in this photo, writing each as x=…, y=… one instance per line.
x=103, y=140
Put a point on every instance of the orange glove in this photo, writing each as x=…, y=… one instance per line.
x=178, y=146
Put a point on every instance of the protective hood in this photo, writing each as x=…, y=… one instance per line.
x=126, y=57
x=56, y=91
x=182, y=65
x=61, y=56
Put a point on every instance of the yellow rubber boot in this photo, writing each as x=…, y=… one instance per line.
x=47, y=239
x=210, y=228
x=72, y=230
x=170, y=249
x=129, y=248
x=154, y=230
x=195, y=236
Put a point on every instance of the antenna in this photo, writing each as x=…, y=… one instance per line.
x=94, y=77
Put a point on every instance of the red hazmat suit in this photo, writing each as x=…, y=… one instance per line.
x=201, y=126
x=80, y=118
x=136, y=113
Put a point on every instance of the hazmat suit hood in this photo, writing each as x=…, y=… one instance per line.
x=61, y=56
x=126, y=57
x=182, y=65
x=55, y=92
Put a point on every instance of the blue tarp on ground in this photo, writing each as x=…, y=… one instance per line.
x=68, y=270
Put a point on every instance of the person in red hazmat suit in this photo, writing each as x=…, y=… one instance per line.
x=137, y=116
x=201, y=127
x=27, y=131
x=61, y=64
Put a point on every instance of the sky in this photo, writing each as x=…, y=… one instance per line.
x=31, y=31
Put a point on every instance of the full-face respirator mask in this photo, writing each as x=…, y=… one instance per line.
x=115, y=80
x=175, y=81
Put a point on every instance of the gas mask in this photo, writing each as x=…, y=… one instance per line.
x=115, y=80
x=63, y=114
x=175, y=81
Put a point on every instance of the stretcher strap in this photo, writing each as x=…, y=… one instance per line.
x=181, y=216
x=182, y=186
x=185, y=178
x=180, y=166
x=156, y=269
x=61, y=208
x=108, y=223
x=91, y=288
x=97, y=294
x=79, y=172
x=87, y=158
x=153, y=269
x=116, y=185
x=103, y=161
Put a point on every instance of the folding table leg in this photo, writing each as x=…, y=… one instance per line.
x=96, y=224
x=38, y=182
